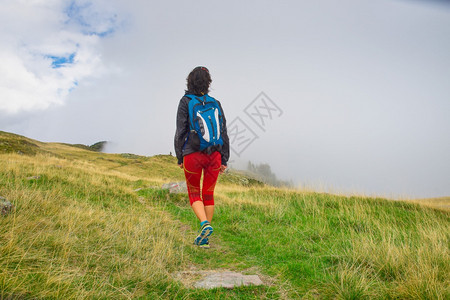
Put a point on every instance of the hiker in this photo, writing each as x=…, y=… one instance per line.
x=201, y=145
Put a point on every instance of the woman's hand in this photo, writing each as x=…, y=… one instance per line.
x=222, y=169
x=180, y=165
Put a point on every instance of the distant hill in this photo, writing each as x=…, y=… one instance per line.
x=10, y=142
x=97, y=147
x=163, y=165
x=13, y=143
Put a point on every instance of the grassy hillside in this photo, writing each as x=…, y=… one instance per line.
x=80, y=230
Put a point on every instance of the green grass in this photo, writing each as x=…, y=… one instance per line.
x=330, y=246
x=80, y=231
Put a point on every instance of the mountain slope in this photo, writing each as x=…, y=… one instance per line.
x=81, y=230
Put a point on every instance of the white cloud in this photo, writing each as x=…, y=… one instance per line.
x=48, y=48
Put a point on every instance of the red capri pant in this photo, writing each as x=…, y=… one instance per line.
x=194, y=164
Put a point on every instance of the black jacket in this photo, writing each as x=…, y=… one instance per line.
x=182, y=144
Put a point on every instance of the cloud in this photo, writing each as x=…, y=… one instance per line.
x=92, y=18
x=48, y=48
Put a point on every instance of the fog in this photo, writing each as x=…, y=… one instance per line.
x=347, y=96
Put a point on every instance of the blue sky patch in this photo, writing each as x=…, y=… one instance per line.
x=91, y=20
x=61, y=61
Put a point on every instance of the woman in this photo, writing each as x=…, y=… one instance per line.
x=201, y=146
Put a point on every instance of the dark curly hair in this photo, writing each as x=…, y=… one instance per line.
x=198, y=81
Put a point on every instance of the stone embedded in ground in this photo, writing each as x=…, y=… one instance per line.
x=227, y=279
x=33, y=177
x=6, y=207
x=175, y=187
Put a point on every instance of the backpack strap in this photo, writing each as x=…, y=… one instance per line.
x=191, y=117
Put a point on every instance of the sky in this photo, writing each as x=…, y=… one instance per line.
x=347, y=96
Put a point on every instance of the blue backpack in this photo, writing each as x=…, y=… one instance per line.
x=205, y=119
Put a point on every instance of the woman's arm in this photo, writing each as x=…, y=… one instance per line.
x=182, y=130
x=225, y=152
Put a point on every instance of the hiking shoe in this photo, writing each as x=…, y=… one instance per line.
x=204, y=243
x=205, y=232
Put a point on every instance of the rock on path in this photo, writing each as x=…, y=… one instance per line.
x=227, y=280
x=215, y=279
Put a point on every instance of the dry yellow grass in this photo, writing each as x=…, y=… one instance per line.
x=442, y=203
x=61, y=238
